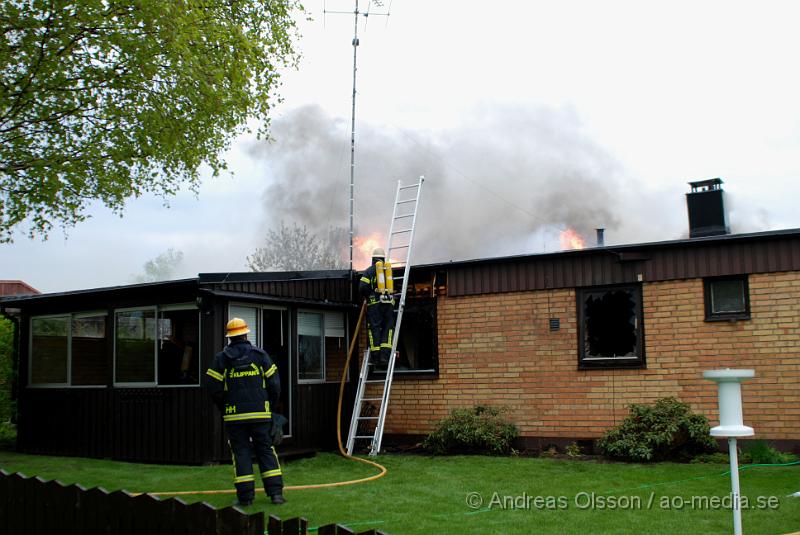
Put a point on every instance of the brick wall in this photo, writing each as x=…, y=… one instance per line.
x=497, y=349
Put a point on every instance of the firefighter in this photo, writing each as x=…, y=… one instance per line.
x=380, y=309
x=244, y=384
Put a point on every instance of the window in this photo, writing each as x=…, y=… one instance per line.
x=610, y=327
x=178, y=338
x=89, y=350
x=727, y=298
x=417, y=347
x=310, y=352
x=134, y=346
x=49, y=350
x=250, y=316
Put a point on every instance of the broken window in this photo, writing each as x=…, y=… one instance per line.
x=610, y=327
x=417, y=345
x=727, y=298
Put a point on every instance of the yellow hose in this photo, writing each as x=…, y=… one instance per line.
x=338, y=439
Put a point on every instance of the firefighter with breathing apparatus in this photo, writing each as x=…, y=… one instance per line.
x=244, y=384
x=377, y=287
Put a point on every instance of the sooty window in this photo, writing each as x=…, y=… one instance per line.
x=727, y=298
x=610, y=327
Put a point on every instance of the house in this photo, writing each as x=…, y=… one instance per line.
x=16, y=287
x=568, y=340
x=565, y=340
x=117, y=372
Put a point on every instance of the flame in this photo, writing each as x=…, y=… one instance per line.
x=363, y=247
x=570, y=239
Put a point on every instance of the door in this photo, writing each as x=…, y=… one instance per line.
x=275, y=341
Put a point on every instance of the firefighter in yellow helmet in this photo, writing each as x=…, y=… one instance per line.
x=244, y=384
x=380, y=310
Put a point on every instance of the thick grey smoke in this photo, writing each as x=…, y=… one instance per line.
x=507, y=181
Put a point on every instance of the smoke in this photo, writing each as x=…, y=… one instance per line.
x=507, y=181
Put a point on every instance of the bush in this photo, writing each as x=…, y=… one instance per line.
x=7, y=407
x=762, y=453
x=480, y=429
x=667, y=430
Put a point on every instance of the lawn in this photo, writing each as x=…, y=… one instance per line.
x=423, y=494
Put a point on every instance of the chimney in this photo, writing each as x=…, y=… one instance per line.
x=601, y=242
x=706, y=205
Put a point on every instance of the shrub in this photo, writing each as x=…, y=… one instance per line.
x=667, y=430
x=762, y=453
x=573, y=450
x=480, y=429
x=7, y=407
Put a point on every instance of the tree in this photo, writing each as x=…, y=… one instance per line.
x=105, y=100
x=294, y=249
x=162, y=267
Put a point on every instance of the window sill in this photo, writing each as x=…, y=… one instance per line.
x=409, y=374
x=612, y=364
x=731, y=318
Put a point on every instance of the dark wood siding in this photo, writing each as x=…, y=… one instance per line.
x=657, y=262
x=170, y=425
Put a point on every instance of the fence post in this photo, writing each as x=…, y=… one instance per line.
x=202, y=519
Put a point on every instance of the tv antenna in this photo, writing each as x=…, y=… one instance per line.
x=365, y=14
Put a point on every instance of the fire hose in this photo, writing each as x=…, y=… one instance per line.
x=343, y=453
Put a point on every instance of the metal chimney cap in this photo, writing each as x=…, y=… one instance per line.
x=706, y=185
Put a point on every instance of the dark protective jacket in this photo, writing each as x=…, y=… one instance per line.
x=368, y=286
x=244, y=383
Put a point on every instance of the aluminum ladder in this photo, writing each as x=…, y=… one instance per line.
x=398, y=252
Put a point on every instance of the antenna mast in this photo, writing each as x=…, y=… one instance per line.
x=366, y=14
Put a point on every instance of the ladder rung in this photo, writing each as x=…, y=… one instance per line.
x=371, y=399
x=404, y=216
x=406, y=202
x=366, y=417
x=364, y=436
x=398, y=247
x=409, y=187
x=401, y=231
x=375, y=381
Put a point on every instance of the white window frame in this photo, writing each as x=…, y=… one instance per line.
x=78, y=315
x=68, y=316
x=116, y=383
x=297, y=341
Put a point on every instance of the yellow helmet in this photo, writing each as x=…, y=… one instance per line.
x=236, y=327
x=378, y=253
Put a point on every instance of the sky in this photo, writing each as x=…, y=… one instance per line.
x=526, y=118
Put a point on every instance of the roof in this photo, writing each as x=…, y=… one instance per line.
x=16, y=287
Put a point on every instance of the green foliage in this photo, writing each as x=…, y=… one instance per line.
x=713, y=458
x=295, y=248
x=7, y=406
x=573, y=450
x=760, y=452
x=666, y=430
x=480, y=429
x=108, y=100
x=162, y=267
x=8, y=435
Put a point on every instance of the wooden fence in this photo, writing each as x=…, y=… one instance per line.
x=299, y=526
x=31, y=505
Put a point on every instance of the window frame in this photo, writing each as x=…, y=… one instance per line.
x=173, y=308
x=31, y=384
x=87, y=314
x=137, y=384
x=710, y=315
x=606, y=363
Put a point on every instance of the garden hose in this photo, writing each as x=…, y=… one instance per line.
x=344, y=454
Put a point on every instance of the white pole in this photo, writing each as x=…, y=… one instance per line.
x=737, y=502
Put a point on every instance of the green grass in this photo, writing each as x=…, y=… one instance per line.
x=428, y=494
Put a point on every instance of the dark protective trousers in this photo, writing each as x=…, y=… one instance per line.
x=244, y=439
x=380, y=317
